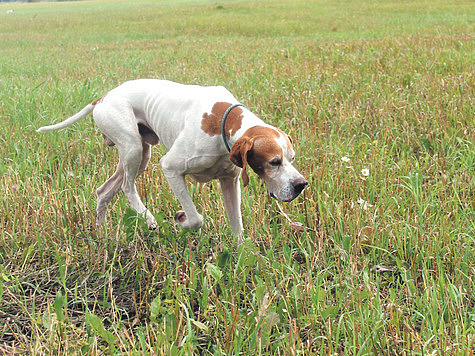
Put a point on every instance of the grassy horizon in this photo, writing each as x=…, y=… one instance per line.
x=377, y=263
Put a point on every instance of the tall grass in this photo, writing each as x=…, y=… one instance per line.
x=376, y=264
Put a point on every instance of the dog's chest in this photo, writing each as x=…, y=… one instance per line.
x=223, y=168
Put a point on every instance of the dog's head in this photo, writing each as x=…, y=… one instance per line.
x=268, y=151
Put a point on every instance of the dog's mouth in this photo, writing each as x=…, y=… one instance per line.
x=285, y=200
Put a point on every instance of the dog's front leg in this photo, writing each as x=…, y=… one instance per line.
x=231, y=191
x=189, y=218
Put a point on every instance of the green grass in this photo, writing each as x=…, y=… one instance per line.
x=384, y=264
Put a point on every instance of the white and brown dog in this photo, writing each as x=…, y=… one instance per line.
x=208, y=135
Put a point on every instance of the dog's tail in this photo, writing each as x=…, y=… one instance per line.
x=70, y=121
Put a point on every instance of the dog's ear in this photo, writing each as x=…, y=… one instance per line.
x=238, y=156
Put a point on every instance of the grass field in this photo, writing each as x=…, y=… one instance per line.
x=383, y=263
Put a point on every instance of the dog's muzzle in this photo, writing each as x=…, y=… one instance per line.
x=297, y=186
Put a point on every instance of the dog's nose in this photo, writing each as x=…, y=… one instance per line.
x=299, y=184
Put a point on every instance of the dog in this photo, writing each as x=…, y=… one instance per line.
x=208, y=135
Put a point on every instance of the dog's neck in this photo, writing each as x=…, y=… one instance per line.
x=248, y=121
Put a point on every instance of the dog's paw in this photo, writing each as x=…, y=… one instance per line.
x=188, y=223
x=151, y=222
x=100, y=218
x=152, y=225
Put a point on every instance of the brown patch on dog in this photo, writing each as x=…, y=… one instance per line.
x=97, y=101
x=257, y=131
x=211, y=123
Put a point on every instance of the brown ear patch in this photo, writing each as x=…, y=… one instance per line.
x=238, y=156
x=211, y=123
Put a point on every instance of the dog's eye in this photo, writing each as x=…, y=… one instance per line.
x=276, y=162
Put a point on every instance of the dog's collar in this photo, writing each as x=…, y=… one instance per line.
x=223, y=122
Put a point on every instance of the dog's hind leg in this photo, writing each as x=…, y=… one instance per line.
x=106, y=192
x=134, y=157
x=118, y=123
x=146, y=154
x=111, y=187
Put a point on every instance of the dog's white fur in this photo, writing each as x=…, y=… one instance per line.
x=138, y=113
